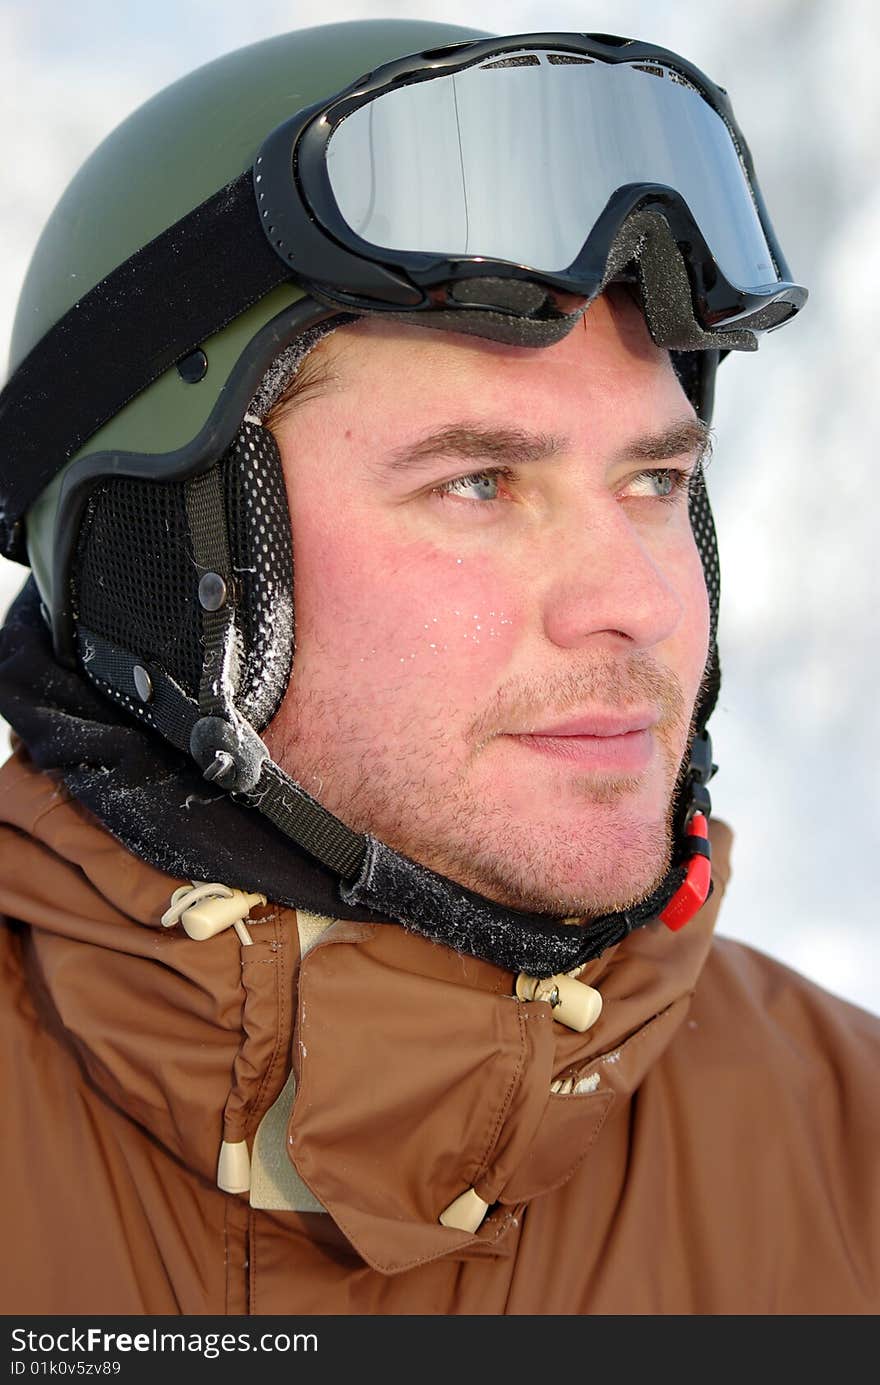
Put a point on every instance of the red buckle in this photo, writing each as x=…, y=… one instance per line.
x=692, y=894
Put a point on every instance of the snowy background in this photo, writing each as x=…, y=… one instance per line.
x=793, y=485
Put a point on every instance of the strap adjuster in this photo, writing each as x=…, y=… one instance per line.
x=693, y=892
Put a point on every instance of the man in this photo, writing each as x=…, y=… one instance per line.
x=445, y=1031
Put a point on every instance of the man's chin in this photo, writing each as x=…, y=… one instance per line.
x=570, y=883
x=591, y=901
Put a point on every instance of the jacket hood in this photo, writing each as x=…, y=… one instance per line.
x=417, y=1071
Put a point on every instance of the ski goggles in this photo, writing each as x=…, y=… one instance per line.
x=520, y=158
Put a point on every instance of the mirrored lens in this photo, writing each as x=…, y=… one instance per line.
x=515, y=159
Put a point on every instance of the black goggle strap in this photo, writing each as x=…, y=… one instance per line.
x=82, y=372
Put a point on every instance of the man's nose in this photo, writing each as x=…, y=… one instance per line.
x=604, y=584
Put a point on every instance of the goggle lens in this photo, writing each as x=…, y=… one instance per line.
x=516, y=158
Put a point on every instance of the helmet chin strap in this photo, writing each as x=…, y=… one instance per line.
x=374, y=875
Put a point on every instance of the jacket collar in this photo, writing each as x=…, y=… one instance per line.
x=418, y=1072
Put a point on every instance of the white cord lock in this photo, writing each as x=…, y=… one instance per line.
x=466, y=1212
x=205, y=910
x=234, y=1167
x=575, y=1005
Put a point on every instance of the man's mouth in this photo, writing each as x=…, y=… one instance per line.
x=605, y=742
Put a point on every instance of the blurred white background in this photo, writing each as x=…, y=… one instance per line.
x=794, y=494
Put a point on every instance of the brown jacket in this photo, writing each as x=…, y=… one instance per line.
x=718, y=1156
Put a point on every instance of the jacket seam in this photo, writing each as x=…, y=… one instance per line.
x=279, y=961
x=503, y=1109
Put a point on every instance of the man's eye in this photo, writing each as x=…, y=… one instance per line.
x=480, y=485
x=665, y=484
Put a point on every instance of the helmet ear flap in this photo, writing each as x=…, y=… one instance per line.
x=703, y=526
x=134, y=589
x=136, y=581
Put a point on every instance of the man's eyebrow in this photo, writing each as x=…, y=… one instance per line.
x=475, y=443
x=688, y=437
x=514, y=446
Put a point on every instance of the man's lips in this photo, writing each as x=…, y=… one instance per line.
x=609, y=742
x=598, y=724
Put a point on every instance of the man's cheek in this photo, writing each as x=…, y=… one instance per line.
x=691, y=641
x=415, y=611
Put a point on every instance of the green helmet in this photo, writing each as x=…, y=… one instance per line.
x=212, y=239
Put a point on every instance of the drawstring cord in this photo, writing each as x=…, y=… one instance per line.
x=204, y=910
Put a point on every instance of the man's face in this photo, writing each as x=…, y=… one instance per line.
x=501, y=616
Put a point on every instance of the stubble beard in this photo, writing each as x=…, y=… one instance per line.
x=391, y=790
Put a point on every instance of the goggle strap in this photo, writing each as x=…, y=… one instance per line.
x=170, y=297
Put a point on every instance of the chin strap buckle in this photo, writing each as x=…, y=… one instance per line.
x=693, y=892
